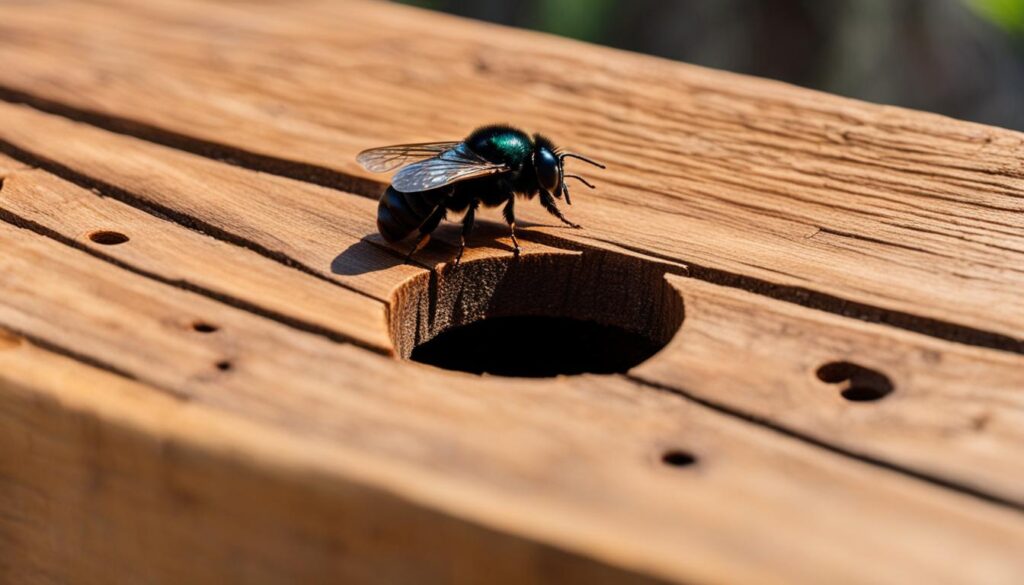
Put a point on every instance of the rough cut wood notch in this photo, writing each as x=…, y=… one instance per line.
x=204, y=344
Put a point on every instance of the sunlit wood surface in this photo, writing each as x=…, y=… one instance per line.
x=202, y=335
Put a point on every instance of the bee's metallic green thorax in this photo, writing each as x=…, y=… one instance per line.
x=513, y=145
x=501, y=144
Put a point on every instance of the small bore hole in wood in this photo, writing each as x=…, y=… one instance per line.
x=538, y=315
x=224, y=365
x=677, y=458
x=108, y=238
x=857, y=383
x=204, y=327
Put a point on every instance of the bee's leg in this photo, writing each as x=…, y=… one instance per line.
x=549, y=203
x=510, y=217
x=428, y=226
x=467, y=226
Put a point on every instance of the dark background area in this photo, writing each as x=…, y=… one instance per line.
x=962, y=58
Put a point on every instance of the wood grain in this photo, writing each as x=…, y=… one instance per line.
x=189, y=259
x=318, y=230
x=282, y=441
x=163, y=491
x=941, y=397
x=731, y=175
x=522, y=468
x=955, y=411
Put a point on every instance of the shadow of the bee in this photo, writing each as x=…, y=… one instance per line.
x=373, y=253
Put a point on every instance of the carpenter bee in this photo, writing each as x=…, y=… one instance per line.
x=491, y=166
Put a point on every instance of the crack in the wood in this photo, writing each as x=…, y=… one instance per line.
x=232, y=301
x=231, y=155
x=58, y=349
x=821, y=301
x=163, y=212
x=803, y=437
x=330, y=178
x=879, y=241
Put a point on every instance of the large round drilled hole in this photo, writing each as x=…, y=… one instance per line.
x=856, y=383
x=537, y=316
x=108, y=238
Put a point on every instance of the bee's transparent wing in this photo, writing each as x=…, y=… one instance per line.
x=451, y=166
x=386, y=158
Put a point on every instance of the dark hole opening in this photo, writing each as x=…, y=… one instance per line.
x=677, y=458
x=539, y=315
x=204, y=327
x=224, y=365
x=108, y=238
x=536, y=347
x=857, y=383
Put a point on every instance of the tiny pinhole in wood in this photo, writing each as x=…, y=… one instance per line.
x=204, y=327
x=225, y=365
x=678, y=458
x=857, y=383
x=108, y=237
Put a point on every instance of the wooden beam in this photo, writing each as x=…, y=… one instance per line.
x=498, y=452
x=848, y=203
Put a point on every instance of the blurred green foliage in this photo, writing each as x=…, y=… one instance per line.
x=1009, y=14
x=580, y=19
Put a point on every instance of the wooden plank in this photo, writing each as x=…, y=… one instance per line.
x=737, y=177
x=192, y=260
x=530, y=458
x=943, y=392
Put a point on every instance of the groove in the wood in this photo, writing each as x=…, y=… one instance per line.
x=7, y=331
x=829, y=303
x=812, y=299
x=868, y=459
x=237, y=303
x=163, y=212
x=231, y=155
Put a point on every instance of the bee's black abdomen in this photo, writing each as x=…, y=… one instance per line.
x=399, y=214
x=386, y=224
x=401, y=210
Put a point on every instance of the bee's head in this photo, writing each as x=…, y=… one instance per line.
x=549, y=165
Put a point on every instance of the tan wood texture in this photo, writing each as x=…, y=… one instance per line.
x=221, y=397
x=734, y=175
x=522, y=467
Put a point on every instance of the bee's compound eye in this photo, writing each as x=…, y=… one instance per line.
x=548, y=176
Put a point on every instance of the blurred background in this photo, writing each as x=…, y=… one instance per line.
x=962, y=58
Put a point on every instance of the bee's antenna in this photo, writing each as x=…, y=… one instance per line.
x=581, y=180
x=566, y=155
